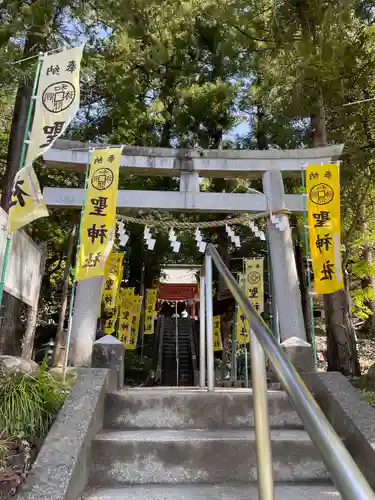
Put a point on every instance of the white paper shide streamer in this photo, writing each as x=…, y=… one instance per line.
x=201, y=245
x=123, y=237
x=278, y=221
x=257, y=232
x=235, y=239
x=175, y=244
x=149, y=240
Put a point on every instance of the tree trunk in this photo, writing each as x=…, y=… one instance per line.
x=12, y=325
x=58, y=357
x=369, y=281
x=260, y=131
x=34, y=43
x=342, y=349
x=17, y=132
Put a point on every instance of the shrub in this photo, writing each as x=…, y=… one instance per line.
x=29, y=404
x=137, y=368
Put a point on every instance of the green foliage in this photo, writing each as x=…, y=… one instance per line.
x=29, y=404
x=362, y=269
x=369, y=397
x=137, y=368
x=360, y=298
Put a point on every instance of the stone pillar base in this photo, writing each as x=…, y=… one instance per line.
x=299, y=353
x=108, y=352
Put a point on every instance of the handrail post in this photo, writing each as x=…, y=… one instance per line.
x=202, y=333
x=262, y=428
x=209, y=324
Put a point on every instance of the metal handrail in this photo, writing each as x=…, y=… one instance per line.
x=345, y=473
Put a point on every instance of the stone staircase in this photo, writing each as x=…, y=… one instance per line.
x=169, y=365
x=170, y=444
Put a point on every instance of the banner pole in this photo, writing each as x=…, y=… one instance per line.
x=72, y=296
x=308, y=262
x=22, y=161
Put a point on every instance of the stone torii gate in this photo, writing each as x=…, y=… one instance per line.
x=190, y=166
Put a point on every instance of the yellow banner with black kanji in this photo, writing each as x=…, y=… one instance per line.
x=110, y=322
x=254, y=283
x=98, y=226
x=218, y=343
x=125, y=313
x=242, y=323
x=112, y=280
x=132, y=339
x=27, y=203
x=151, y=296
x=323, y=190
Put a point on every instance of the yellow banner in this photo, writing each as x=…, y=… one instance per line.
x=254, y=283
x=218, y=343
x=27, y=203
x=57, y=100
x=98, y=226
x=125, y=295
x=323, y=189
x=151, y=297
x=131, y=341
x=242, y=323
x=110, y=323
x=112, y=279
x=125, y=313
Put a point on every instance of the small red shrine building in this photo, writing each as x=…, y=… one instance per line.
x=179, y=283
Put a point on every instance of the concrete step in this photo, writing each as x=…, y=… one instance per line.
x=172, y=349
x=199, y=456
x=193, y=409
x=212, y=492
x=171, y=336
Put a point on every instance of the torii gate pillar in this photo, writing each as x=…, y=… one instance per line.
x=85, y=318
x=284, y=270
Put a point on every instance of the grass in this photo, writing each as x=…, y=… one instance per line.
x=369, y=396
x=29, y=404
x=367, y=389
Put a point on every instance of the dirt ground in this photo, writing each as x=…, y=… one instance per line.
x=366, y=353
